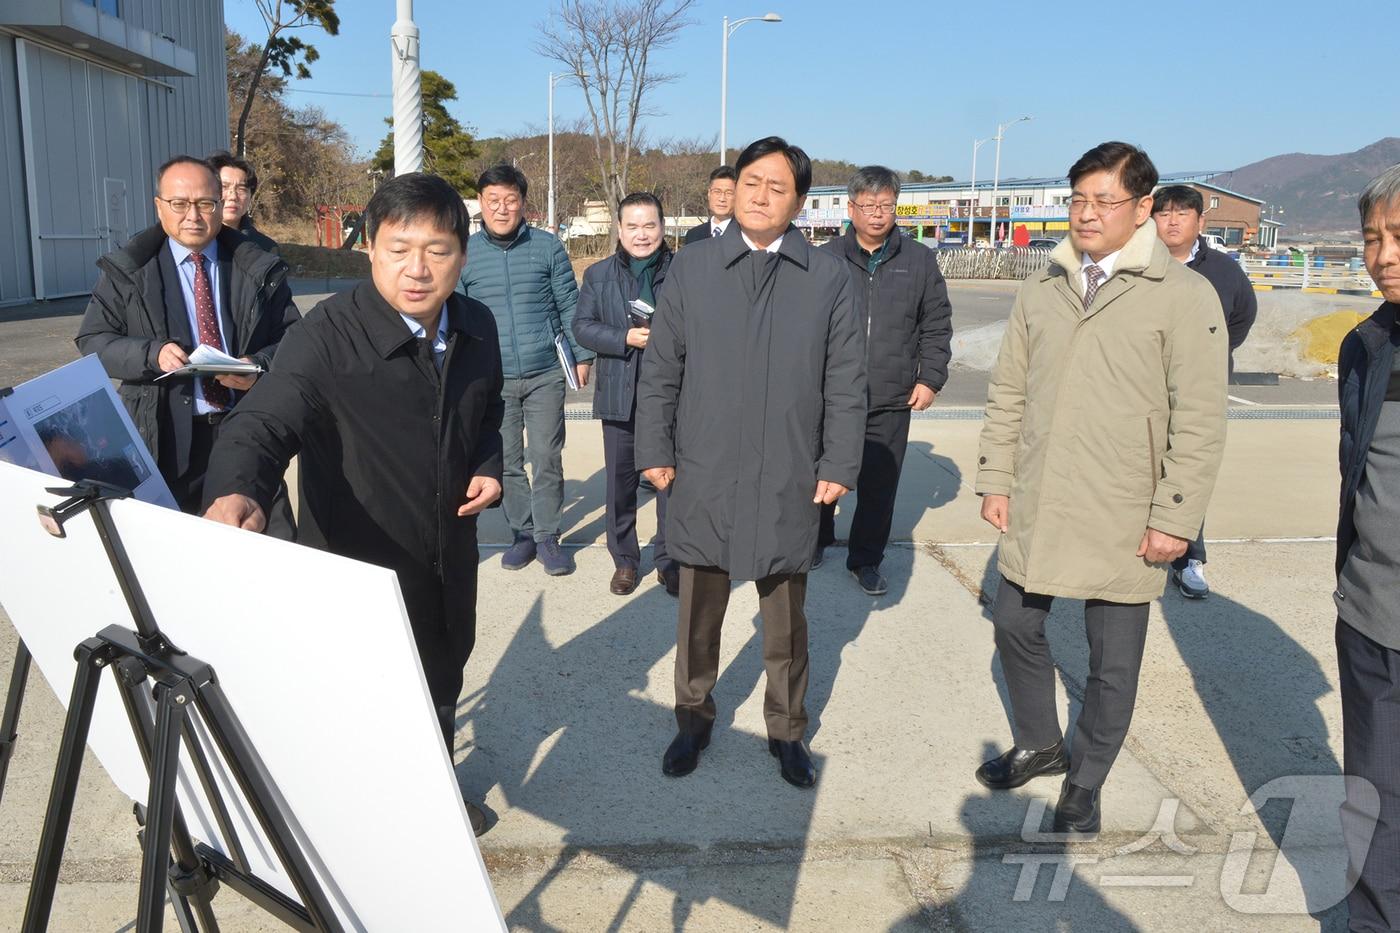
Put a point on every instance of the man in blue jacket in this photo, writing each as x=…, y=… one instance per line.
x=524, y=276
x=1368, y=575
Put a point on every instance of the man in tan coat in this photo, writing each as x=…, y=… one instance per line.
x=1104, y=429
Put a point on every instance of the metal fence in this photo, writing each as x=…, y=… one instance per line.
x=1015, y=263
x=1309, y=273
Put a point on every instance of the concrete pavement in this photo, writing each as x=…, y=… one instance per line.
x=566, y=712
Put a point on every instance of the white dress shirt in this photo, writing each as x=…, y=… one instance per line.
x=439, y=341
x=181, y=255
x=1105, y=264
x=772, y=247
x=717, y=227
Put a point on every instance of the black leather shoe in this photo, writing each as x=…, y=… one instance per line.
x=670, y=578
x=476, y=818
x=1078, y=810
x=796, y=762
x=683, y=754
x=1019, y=765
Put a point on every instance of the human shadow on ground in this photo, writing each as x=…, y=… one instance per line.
x=1259, y=688
x=572, y=734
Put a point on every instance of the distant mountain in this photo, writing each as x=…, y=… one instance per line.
x=1317, y=192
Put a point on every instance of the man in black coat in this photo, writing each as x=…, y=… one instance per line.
x=1178, y=211
x=392, y=395
x=902, y=303
x=186, y=282
x=238, y=181
x=751, y=411
x=1368, y=574
x=720, y=198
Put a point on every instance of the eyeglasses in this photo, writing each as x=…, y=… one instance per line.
x=508, y=204
x=1101, y=208
x=870, y=210
x=181, y=206
x=237, y=189
x=721, y=193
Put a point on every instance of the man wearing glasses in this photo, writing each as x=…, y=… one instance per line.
x=902, y=303
x=185, y=282
x=720, y=196
x=238, y=183
x=1104, y=430
x=523, y=274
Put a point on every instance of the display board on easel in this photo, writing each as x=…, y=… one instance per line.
x=315, y=654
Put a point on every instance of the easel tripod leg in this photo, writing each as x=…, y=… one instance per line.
x=9, y=722
x=171, y=703
x=91, y=657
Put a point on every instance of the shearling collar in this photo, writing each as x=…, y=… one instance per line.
x=1144, y=254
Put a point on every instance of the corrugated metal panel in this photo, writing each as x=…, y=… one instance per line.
x=16, y=270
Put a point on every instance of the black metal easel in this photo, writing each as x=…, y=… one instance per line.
x=171, y=859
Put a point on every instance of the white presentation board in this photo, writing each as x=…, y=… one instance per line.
x=317, y=659
x=70, y=423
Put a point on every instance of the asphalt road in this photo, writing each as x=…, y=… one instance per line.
x=36, y=338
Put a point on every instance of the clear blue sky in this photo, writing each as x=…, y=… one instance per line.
x=910, y=83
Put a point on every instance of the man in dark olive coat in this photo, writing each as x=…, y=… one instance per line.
x=392, y=395
x=751, y=409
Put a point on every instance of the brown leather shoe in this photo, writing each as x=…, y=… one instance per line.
x=624, y=581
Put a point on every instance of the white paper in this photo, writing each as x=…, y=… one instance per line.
x=205, y=355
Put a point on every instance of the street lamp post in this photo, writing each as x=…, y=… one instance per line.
x=724, y=68
x=553, y=80
x=408, y=92
x=996, y=174
x=972, y=192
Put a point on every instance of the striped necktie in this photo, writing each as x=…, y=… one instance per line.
x=1093, y=278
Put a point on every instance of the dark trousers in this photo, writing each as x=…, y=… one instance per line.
x=620, y=467
x=1117, y=633
x=886, y=437
x=532, y=429
x=1196, y=550
x=188, y=488
x=443, y=618
x=1370, y=682
x=781, y=598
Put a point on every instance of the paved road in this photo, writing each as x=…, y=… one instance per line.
x=36, y=338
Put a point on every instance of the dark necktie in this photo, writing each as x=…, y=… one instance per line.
x=1093, y=278
x=717, y=231
x=215, y=393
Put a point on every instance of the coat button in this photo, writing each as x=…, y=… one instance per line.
x=981, y=460
x=1177, y=498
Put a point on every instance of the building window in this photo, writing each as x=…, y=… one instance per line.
x=1214, y=203
x=1004, y=201
x=110, y=7
x=1060, y=200
x=835, y=202
x=815, y=202
x=1023, y=200
x=1234, y=236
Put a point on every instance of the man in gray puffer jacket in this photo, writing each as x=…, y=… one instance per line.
x=524, y=276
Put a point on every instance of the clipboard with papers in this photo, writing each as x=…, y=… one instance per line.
x=566, y=360
x=208, y=361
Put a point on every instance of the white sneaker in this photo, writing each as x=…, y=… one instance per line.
x=1192, y=580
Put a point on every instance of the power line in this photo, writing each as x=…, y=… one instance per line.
x=302, y=90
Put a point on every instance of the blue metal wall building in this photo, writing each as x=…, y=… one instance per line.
x=94, y=94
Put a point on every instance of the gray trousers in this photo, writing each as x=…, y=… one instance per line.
x=704, y=597
x=1117, y=633
x=533, y=428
